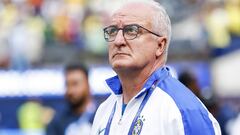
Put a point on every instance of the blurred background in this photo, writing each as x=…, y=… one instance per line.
x=38, y=38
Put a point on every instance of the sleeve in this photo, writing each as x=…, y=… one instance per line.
x=174, y=122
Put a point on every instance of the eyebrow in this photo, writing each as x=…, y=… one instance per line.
x=123, y=25
x=111, y=26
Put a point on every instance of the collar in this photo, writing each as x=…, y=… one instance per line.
x=160, y=74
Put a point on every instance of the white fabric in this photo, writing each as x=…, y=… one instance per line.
x=164, y=121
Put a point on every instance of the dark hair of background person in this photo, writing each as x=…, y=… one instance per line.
x=190, y=81
x=72, y=67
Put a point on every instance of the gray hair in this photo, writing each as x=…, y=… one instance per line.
x=161, y=23
x=160, y=20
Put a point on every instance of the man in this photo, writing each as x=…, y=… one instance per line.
x=79, y=115
x=146, y=99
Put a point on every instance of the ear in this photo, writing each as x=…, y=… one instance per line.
x=161, y=46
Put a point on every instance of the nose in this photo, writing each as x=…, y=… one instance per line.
x=119, y=40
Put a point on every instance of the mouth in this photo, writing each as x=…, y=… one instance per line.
x=120, y=54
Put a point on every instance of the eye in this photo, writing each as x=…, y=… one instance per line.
x=131, y=30
x=112, y=30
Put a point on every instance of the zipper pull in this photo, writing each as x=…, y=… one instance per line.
x=120, y=121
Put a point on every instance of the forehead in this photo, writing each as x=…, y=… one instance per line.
x=75, y=74
x=132, y=13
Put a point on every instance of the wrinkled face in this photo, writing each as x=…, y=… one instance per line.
x=139, y=52
x=77, y=88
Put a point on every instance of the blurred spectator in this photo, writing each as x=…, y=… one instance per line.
x=189, y=80
x=22, y=33
x=8, y=16
x=33, y=117
x=4, y=57
x=216, y=21
x=222, y=23
x=27, y=38
x=234, y=126
x=78, y=116
x=233, y=10
x=30, y=117
x=93, y=33
x=222, y=112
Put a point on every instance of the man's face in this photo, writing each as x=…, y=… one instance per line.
x=139, y=52
x=77, y=87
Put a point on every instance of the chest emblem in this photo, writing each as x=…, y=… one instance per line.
x=138, y=126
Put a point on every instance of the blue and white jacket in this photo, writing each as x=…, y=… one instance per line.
x=172, y=109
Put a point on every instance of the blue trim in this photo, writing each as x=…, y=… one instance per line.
x=160, y=74
x=194, y=115
x=115, y=84
x=123, y=108
x=107, y=129
x=142, y=105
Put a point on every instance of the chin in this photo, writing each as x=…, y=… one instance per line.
x=118, y=66
x=122, y=63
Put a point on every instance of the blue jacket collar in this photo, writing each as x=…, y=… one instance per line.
x=160, y=74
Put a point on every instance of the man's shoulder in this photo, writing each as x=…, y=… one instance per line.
x=194, y=114
x=108, y=102
x=182, y=96
x=105, y=107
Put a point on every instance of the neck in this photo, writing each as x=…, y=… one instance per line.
x=82, y=108
x=132, y=84
x=133, y=80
